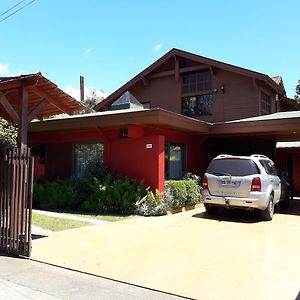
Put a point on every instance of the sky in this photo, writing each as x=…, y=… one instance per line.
x=109, y=42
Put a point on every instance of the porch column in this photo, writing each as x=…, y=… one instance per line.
x=23, y=122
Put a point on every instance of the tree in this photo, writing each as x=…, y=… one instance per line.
x=297, y=90
x=8, y=134
x=90, y=101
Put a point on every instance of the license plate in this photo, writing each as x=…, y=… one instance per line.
x=228, y=182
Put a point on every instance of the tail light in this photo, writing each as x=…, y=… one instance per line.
x=256, y=185
x=204, y=183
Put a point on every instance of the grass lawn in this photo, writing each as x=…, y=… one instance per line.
x=110, y=218
x=55, y=224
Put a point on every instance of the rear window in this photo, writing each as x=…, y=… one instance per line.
x=233, y=167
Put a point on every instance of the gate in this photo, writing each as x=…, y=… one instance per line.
x=16, y=185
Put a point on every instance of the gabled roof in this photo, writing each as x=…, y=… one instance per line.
x=194, y=57
x=43, y=95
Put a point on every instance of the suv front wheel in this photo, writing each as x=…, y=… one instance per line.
x=268, y=213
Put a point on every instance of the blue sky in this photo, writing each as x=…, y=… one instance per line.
x=111, y=41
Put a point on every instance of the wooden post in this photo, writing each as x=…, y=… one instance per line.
x=23, y=124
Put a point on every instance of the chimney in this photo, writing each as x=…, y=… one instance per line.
x=81, y=88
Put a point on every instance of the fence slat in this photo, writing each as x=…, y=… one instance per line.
x=16, y=186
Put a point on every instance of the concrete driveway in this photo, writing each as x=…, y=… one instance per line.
x=232, y=256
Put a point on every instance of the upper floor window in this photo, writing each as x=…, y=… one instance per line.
x=197, y=105
x=196, y=81
x=265, y=104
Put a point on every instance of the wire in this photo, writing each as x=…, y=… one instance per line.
x=17, y=9
x=12, y=8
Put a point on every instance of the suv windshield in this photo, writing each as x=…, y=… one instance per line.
x=233, y=167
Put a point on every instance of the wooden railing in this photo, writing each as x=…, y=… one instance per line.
x=16, y=185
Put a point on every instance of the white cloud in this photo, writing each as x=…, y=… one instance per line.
x=75, y=93
x=4, y=70
x=87, y=51
x=157, y=47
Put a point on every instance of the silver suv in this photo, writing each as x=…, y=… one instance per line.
x=243, y=182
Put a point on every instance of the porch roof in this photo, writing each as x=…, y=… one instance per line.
x=43, y=96
x=157, y=118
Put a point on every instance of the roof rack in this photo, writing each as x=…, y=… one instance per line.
x=224, y=155
x=259, y=155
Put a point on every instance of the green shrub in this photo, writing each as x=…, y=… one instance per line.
x=57, y=194
x=176, y=193
x=152, y=204
x=179, y=193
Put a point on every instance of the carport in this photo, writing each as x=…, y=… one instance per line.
x=275, y=135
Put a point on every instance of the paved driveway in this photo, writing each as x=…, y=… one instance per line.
x=234, y=256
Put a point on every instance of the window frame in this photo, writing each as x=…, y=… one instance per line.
x=265, y=103
x=207, y=108
x=167, y=159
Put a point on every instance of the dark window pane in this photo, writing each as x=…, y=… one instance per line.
x=85, y=154
x=196, y=81
x=174, y=161
x=233, y=167
x=197, y=105
x=265, y=104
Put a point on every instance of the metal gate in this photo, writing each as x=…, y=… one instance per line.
x=16, y=185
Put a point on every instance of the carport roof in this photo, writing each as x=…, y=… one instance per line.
x=284, y=126
x=275, y=116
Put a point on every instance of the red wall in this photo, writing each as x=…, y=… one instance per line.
x=130, y=157
x=125, y=156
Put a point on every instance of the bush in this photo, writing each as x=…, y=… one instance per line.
x=179, y=193
x=58, y=194
x=106, y=195
x=152, y=204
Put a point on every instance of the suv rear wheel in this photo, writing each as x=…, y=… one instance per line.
x=211, y=210
x=268, y=213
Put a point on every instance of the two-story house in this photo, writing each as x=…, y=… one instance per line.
x=171, y=118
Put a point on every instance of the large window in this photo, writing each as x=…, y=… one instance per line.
x=85, y=155
x=265, y=104
x=196, y=81
x=175, y=165
x=197, y=105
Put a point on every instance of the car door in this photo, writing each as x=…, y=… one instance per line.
x=273, y=178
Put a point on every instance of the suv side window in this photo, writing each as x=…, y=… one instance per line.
x=269, y=167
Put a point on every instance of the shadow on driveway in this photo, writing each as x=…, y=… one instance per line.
x=232, y=215
x=294, y=208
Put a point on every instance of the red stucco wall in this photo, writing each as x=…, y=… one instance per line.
x=130, y=157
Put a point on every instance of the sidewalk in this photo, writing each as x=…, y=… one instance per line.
x=69, y=217
x=26, y=279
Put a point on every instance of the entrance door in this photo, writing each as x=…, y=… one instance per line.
x=16, y=178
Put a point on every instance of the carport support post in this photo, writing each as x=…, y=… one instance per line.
x=23, y=125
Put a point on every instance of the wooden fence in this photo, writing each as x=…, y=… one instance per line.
x=16, y=184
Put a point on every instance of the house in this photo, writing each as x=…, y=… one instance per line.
x=174, y=117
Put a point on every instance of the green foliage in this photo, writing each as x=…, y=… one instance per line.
x=152, y=204
x=181, y=193
x=8, y=134
x=297, y=90
x=104, y=195
x=89, y=102
x=58, y=194
x=176, y=193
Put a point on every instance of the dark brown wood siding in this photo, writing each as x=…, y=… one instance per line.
x=59, y=160
x=241, y=97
